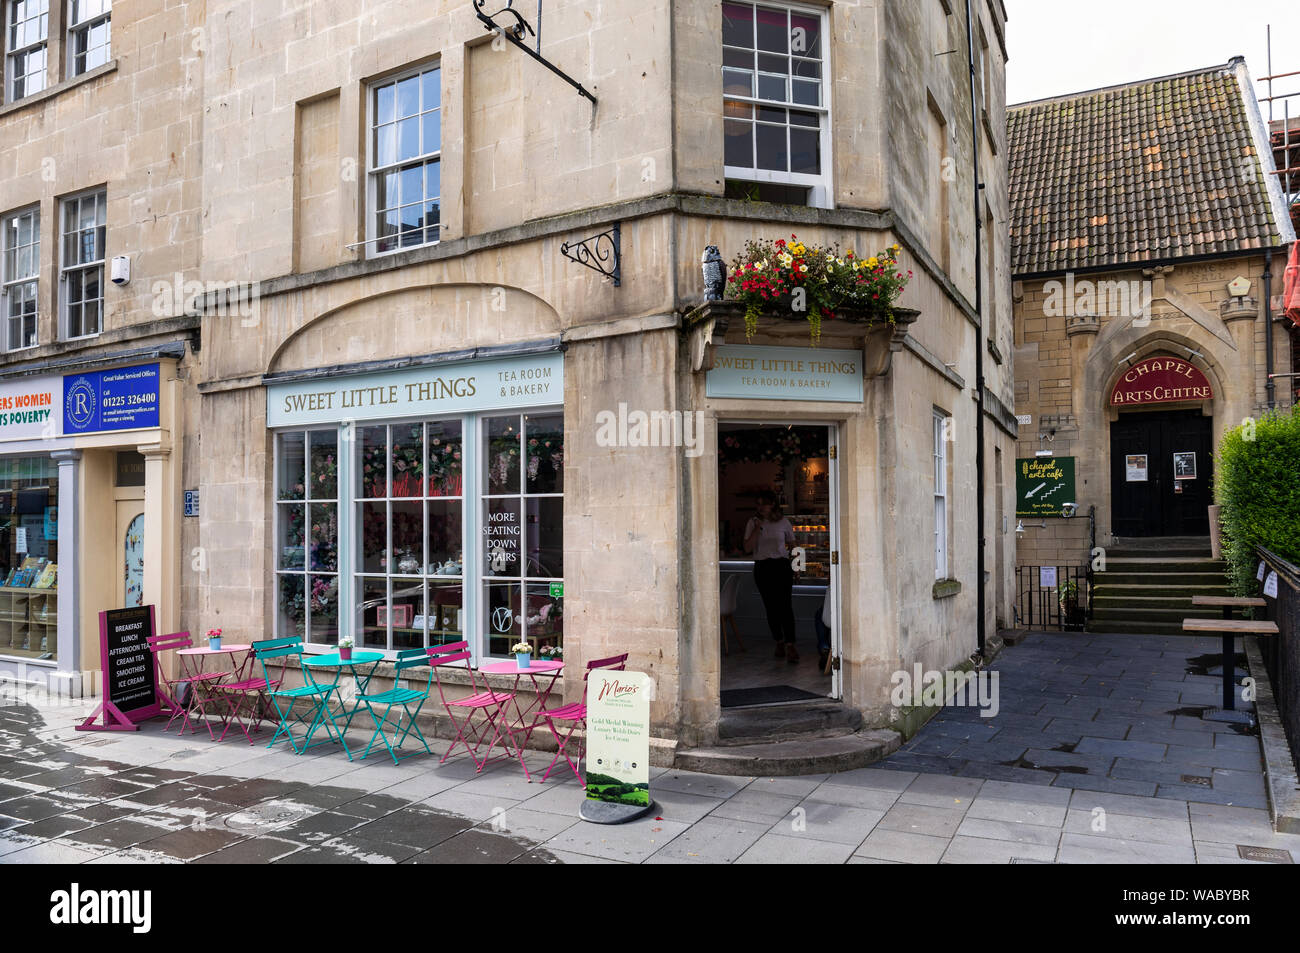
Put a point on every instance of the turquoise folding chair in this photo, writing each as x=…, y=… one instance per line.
x=317, y=697
x=403, y=698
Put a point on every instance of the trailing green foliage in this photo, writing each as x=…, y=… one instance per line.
x=1258, y=487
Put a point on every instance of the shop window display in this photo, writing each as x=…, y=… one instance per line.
x=29, y=542
x=522, y=507
x=307, y=527
x=409, y=520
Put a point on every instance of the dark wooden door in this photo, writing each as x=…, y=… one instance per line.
x=1165, y=503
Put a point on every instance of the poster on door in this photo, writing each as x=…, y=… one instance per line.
x=618, y=740
x=1135, y=468
x=1185, y=465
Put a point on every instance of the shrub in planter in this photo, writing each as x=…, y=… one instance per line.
x=1257, y=486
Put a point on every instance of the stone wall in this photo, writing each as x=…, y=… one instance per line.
x=1070, y=351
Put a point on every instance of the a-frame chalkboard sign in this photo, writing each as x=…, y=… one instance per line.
x=130, y=680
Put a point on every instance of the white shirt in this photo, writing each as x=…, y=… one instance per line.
x=774, y=538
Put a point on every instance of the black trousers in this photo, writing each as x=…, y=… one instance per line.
x=774, y=579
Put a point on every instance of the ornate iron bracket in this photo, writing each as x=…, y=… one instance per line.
x=515, y=34
x=602, y=253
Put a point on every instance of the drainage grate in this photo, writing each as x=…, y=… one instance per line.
x=1028, y=860
x=1196, y=779
x=1267, y=855
x=184, y=753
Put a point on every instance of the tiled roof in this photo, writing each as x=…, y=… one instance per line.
x=1160, y=168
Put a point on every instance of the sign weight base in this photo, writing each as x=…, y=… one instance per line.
x=607, y=812
x=114, y=720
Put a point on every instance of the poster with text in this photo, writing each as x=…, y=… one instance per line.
x=618, y=737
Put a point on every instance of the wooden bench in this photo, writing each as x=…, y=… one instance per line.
x=1229, y=628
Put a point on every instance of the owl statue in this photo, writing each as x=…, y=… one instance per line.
x=715, y=275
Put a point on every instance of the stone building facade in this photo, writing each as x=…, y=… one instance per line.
x=100, y=159
x=1170, y=274
x=383, y=216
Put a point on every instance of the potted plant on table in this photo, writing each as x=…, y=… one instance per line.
x=214, y=640
x=1068, y=597
x=523, y=654
x=345, y=648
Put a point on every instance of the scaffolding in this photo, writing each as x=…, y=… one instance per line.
x=1284, y=134
x=1284, y=138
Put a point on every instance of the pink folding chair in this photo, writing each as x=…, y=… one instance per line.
x=246, y=698
x=489, y=704
x=574, y=715
x=197, y=681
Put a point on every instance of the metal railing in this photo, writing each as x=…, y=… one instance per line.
x=1281, y=653
x=1060, y=598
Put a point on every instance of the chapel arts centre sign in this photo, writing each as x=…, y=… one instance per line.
x=1160, y=380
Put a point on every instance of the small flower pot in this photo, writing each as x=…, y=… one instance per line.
x=215, y=644
x=522, y=659
x=345, y=653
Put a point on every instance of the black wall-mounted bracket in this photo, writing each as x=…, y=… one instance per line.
x=515, y=33
x=602, y=253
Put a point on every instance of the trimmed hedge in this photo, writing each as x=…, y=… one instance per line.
x=1257, y=484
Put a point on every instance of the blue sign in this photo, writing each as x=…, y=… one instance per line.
x=125, y=398
x=191, y=502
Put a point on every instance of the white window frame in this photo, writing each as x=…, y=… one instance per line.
x=939, y=420
x=821, y=191
x=74, y=28
x=9, y=283
x=11, y=54
x=525, y=576
x=372, y=239
x=65, y=268
x=474, y=576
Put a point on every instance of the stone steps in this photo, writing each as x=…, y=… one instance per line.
x=771, y=723
x=1148, y=586
x=795, y=756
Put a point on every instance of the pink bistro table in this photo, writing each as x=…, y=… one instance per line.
x=537, y=672
x=195, y=657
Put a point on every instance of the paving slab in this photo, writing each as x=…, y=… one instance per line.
x=792, y=849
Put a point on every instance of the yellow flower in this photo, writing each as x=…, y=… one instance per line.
x=873, y=261
x=895, y=246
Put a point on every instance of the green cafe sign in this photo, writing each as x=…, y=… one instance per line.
x=1043, y=485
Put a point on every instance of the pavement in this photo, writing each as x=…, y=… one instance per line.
x=1087, y=761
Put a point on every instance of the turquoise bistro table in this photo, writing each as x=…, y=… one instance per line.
x=332, y=661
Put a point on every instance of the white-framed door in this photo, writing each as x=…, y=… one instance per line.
x=837, y=562
x=833, y=544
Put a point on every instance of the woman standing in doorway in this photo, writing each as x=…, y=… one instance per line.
x=769, y=537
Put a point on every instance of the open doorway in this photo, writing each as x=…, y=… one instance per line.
x=780, y=638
